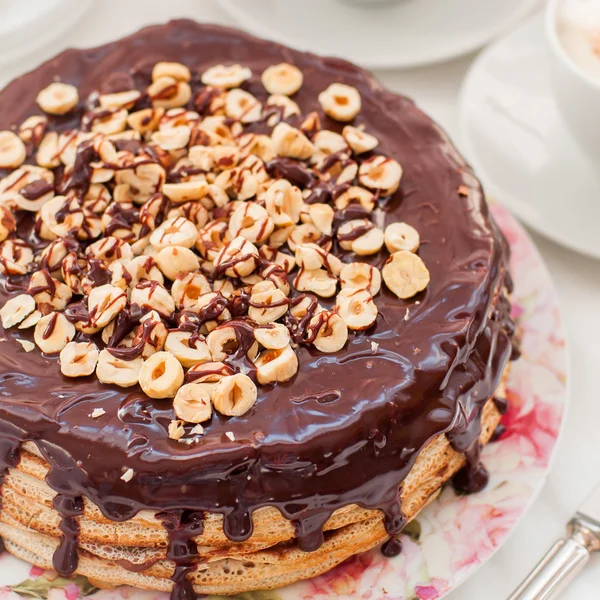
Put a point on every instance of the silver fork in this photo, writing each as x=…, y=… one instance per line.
x=567, y=557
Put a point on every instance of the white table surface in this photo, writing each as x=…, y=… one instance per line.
x=576, y=465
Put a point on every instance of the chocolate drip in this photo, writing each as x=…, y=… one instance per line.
x=295, y=172
x=355, y=233
x=309, y=530
x=501, y=404
x=498, y=432
x=36, y=189
x=238, y=358
x=298, y=327
x=77, y=312
x=81, y=175
x=17, y=284
x=65, y=559
x=122, y=217
x=391, y=548
x=182, y=526
x=126, y=320
x=204, y=99
x=50, y=327
x=473, y=477
x=305, y=458
x=320, y=193
x=10, y=443
x=97, y=273
x=144, y=337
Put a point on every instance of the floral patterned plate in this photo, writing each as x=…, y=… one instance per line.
x=454, y=535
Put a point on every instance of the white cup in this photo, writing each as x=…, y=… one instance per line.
x=576, y=91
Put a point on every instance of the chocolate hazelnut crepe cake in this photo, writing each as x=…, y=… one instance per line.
x=254, y=313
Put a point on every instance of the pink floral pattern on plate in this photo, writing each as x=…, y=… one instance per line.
x=454, y=535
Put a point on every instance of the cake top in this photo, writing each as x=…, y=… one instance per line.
x=267, y=279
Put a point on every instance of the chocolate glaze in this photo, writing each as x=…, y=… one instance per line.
x=65, y=559
x=182, y=526
x=392, y=547
x=432, y=373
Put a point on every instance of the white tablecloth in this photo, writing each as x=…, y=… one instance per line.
x=576, y=465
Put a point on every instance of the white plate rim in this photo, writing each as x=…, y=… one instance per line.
x=254, y=26
x=516, y=206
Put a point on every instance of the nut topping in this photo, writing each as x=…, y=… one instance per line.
x=58, y=98
x=282, y=79
x=242, y=106
x=168, y=92
x=32, y=129
x=234, y=395
x=175, y=70
x=340, y=102
x=224, y=340
x=209, y=372
x=31, y=320
x=175, y=232
x=150, y=295
x=29, y=187
x=405, y=274
x=124, y=373
x=192, y=403
x=12, y=150
x=186, y=290
x=274, y=336
x=401, y=236
x=53, y=332
x=15, y=256
x=356, y=195
x=8, y=223
x=161, y=375
x=312, y=256
x=146, y=120
x=380, y=173
x=267, y=303
x=238, y=258
x=361, y=276
x=252, y=222
x=78, y=359
x=191, y=238
x=291, y=142
x=276, y=365
x=283, y=202
x=16, y=310
x=279, y=108
x=322, y=217
x=119, y=100
x=49, y=293
x=329, y=330
x=177, y=260
x=318, y=281
x=189, y=349
x=104, y=304
x=359, y=140
x=48, y=152
x=226, y=76
x=360, y=236
x=357, y=308
x=174, y=138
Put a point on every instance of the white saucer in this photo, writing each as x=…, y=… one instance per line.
x=514, y=136
x=384, y=35
x=28, y=26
